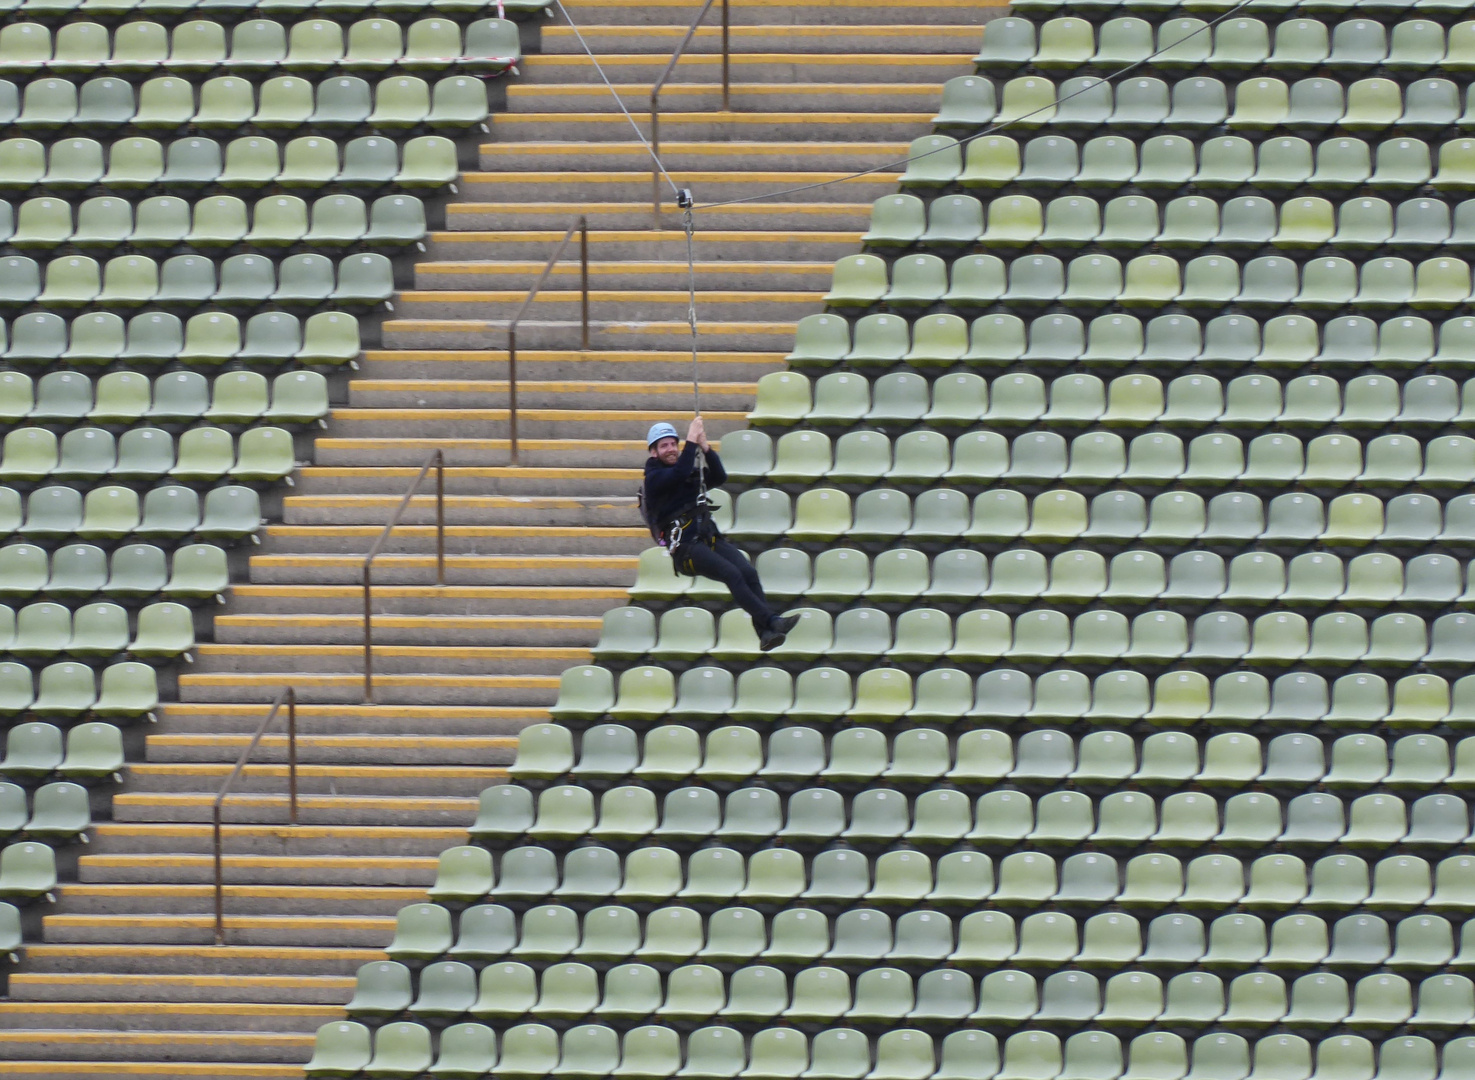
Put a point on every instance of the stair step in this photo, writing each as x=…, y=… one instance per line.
x=871, y=98
x=483, y=630
x=389, y=688
x=635, y=214
x=717, y=124
x=152, y=1070
x=488, y=393
x=369, y=932
x=239, y=989
x=627, y=424
x=465, y=333
x=630, y=304
x=532, y=539
x=129, y=838
x=357, y=869
x=143, y=1016
x=178, y=717
x=311, y=809
x=908, y=38
x=708, y=185
x=731, y=244
x=680, y=156
x=239, y=900
x=715, y=280
x=407, y=749
x=510, y=600
x=462, y=481
x=197, y=960
x=509, y=661
x=781, y=12
x=351, y=780
x=748, y=67
x=606, y=365
x=149, y=1046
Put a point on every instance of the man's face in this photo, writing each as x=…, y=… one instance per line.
x=667, y=450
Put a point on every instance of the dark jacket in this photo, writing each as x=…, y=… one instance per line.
x=671, y=490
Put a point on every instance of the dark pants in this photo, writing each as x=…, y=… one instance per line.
x=725, y=563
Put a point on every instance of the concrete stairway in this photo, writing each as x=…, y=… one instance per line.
x=128, y=982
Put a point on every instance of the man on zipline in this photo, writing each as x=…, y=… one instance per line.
x=675, y=506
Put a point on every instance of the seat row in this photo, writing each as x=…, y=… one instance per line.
x=1139, y=104
x=1188, y=222
x=197, y=572
x=1041, y=634
x=199, y=46
x=1327, y=462
x=1263, y=285
x=172, y=512
x=180, y=397
x=365, y=279
x=338, y=104
x=999, y=515
x=159, y=337
x=1170, y=162
x=203, y=455
x=27, y=872
x=980, y=756
x=71, y=690
x=491, y=932
x=1358, y=699
x=36, y=751
x=777, y=877
x=250, y=161
x=1117, y=339
x=471, y=1050
x=1445, y=10
x=43, y=631
x=876, y=816
x=700, y=992
x=1237, y=44
x=906, y=576
x=58, y=813
x=166, y=222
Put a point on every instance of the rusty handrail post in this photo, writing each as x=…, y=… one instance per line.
x=579, y=225
x=287, y=697
x=655, y=99
x=437, y=462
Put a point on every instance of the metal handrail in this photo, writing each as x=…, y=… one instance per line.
x=579, y=225
x=438, y=463
x=287, y=697
x=655, y=96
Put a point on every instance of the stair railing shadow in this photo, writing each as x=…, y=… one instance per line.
x=655, y=96
x=437, y=461
x=580, y=225
x=288, y=698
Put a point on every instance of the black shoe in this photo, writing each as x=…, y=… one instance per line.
x=777, y=632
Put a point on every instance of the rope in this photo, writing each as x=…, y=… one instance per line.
x=990, y=130
x=615, y=94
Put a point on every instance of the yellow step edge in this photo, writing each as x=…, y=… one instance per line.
x=368, y=742
x=186, y=830
x=479, y=472
x=333, y=893
x=779, y=326
x=79, y=1038
x=325, y=802
x=169, y=1008
x=566, y=386
x=212, y=1070
x=766, y=32
x=571, y=265
x=722, y=116
x=279, y=953
x=452, y=592
x=697, y=176
x=378, y=712
x=564, y=296
x=673, y=92
x=608, y=60
x=469, y=682
x=203, y=982
x=593, y=207
x=237, y=922
x=567, y=415
x=600, y=355
x=488, y=532
x=657, y=236
x=470, y=562
x=273, y=863
x=262, y=770
x=447, y=622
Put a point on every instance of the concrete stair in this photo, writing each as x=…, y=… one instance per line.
x=126, y=980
